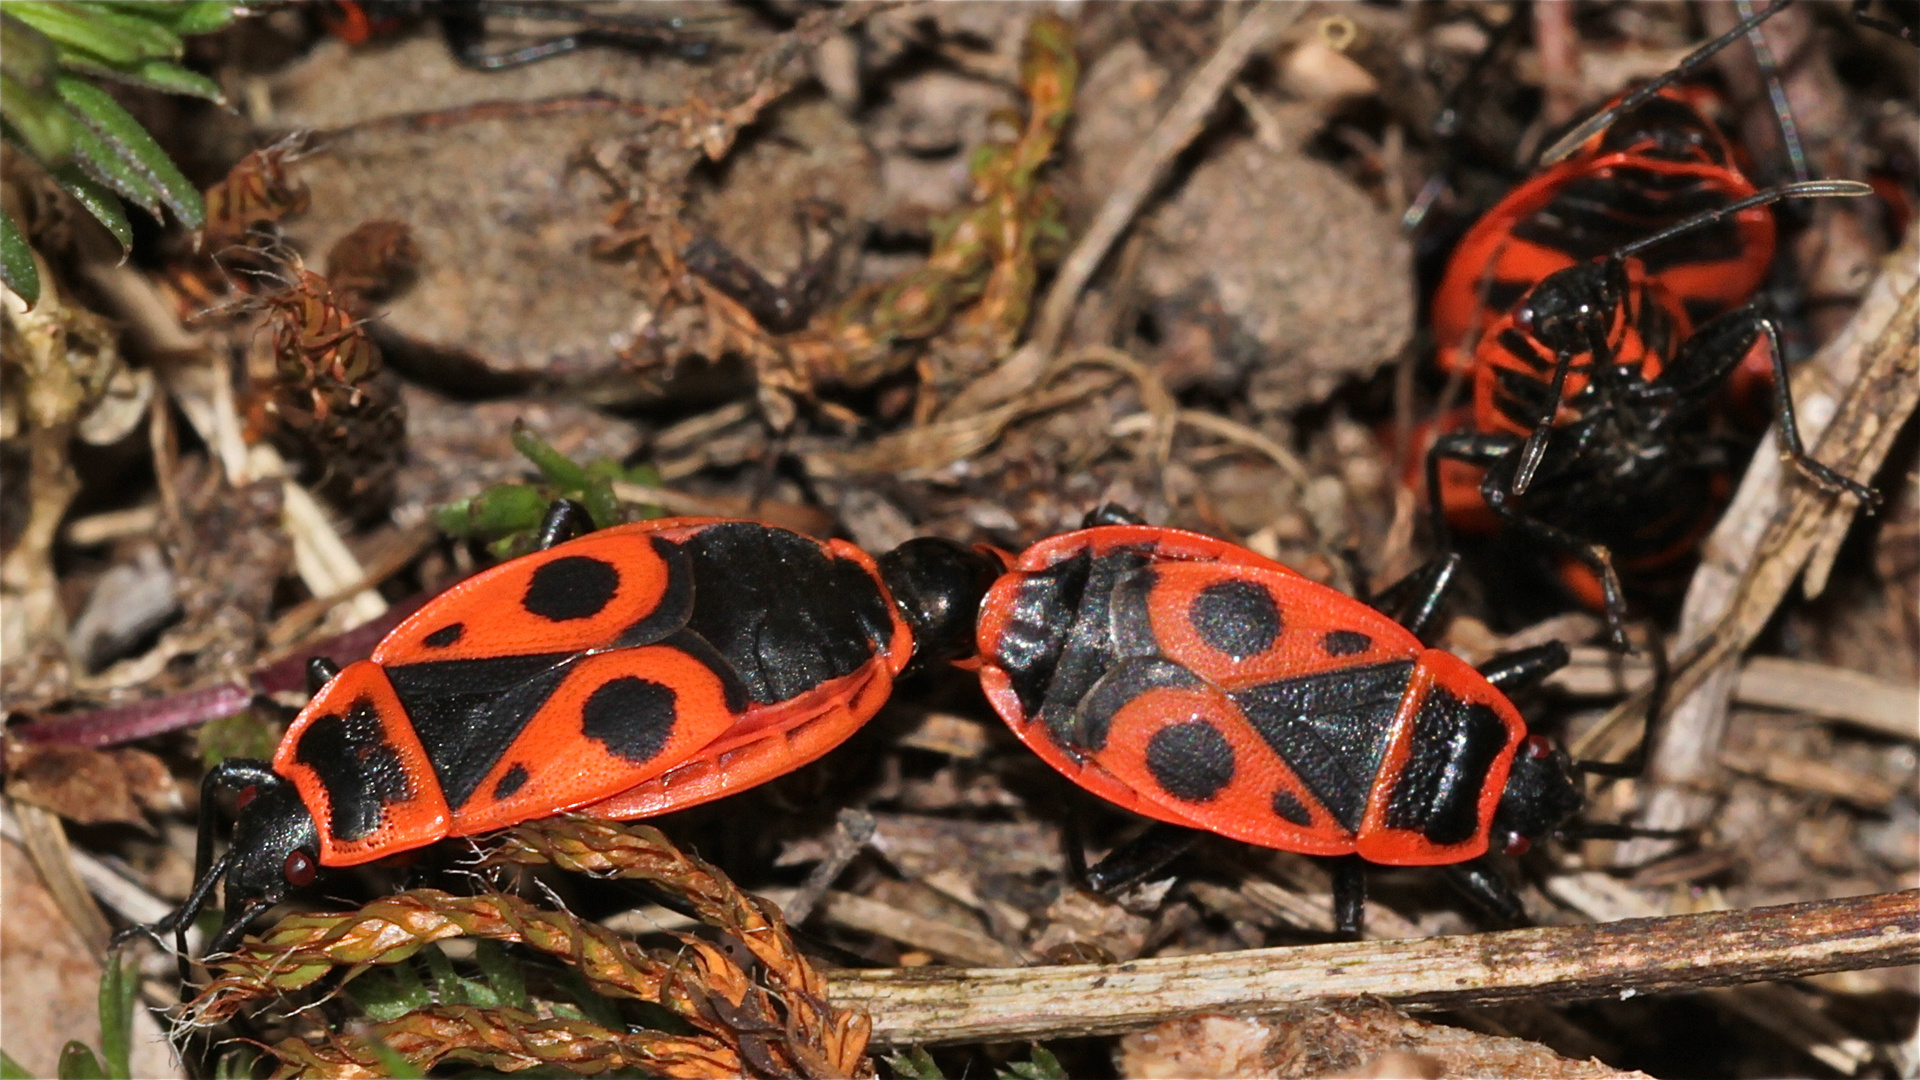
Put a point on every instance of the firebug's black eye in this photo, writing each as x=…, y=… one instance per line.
x=246, y=795
x=1538, y=747
x=1516, y=844
x=300, y=869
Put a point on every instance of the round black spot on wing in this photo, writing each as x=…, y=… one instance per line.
x=631, y=716
x=446, y=635
x=574, y=587
x=1345, y=642
x=1289, y=808
x=1237, y=617
x=1190, y=761
x=510, y=781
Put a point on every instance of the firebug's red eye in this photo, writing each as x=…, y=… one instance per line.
x=1538, y=747
x=1517, y=844
x=246, y=795
x=300, y=868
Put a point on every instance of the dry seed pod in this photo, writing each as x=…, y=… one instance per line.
x=258, y=191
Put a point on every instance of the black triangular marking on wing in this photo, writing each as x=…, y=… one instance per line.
x=1331, y=729
x=468, y=712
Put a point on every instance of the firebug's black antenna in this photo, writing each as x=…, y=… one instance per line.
x=1599, y=121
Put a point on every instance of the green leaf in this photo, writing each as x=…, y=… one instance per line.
x=500, y=510
x=16, y=262
x=504, y=977
x=32, y=57
x=557, y=466
x=37, y=121
x=1044, y=1066
x=236, y=1064
x=390, y=994
x=162, y=75
x=11, y=1069
x=393, y=1063
x=186, y=19
x=201, y=16
x=592, y=1006
x=99, y=202
x=242, y=735
x=97, y=109
x=99, y=160
x=78, y=1063
x=915, y=1064
x=113, y=37
x=153, y=37
x=117, y=994
x=601, y=505
x=448, y=987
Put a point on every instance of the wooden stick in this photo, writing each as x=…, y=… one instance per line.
x=1561, y=963
x=1866, y=701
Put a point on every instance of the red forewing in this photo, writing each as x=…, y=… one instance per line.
x=1191, y=758
x=1244, y=626
x=766, y=743
x=617, y=719
x=615, y=586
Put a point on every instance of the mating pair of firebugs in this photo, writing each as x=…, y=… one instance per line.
x=653, y=666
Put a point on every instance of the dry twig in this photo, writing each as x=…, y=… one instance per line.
x=1609, y=960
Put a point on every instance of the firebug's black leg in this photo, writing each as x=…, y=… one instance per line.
x=565, y=520
x=1141, y=858
x=1414, y=601
x=1111, y=514
x=1073, y=844
x=1790, y=429
x=1471, y=447
x=1596, y=558
x=320, y=672
x=1635, y=762
x=231, y=775
x=1903, y=31
x=1524, y=667
x=1489, y=451
x=1349, y=896
x=1535, y=448
x=1479, y=881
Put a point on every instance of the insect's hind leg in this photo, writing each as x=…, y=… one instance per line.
x=1349, y=896
x=1500, y=500
x=1140, y=858
x=1480, y=882
x=1511, y=671
x=1749, y=322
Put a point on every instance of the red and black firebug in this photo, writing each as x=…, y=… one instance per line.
x=1193, y=681
x=632, y=671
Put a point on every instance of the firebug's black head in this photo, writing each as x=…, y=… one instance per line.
x=1572, y=310
x=1540, y=796
x=938, y=584
x=274, y=846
